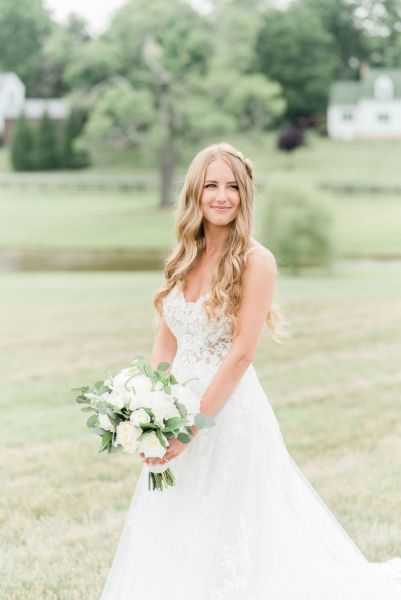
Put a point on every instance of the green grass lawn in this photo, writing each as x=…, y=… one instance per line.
x=365, y=225
x=334, y=386
x=320, y=159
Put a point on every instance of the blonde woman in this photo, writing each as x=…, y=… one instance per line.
x=242, y=521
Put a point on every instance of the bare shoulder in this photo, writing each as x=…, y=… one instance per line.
x=260, y=259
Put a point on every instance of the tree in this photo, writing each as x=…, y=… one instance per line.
x=70, y=156
x=341, y=19
x=121, y=117
x=168, y=93
x=46, y=155
x=24, y=27
x=22, y=145
x=61, y=49
x=381, y=22
x=294, y=49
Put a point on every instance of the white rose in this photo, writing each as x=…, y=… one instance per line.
x=187, y=397
x=140, y=383
x=148, y=399
x=119, y=399
x=139, y=416
x=158, y=386
x=105, y=423
x=151, y=446
x=120, y=379
x=127, y=435
x=166, y=411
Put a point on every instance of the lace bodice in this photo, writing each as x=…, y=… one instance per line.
x=198, y=340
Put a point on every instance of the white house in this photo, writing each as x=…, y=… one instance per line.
x=12, y=97
x=13, y=102
x=368, y=108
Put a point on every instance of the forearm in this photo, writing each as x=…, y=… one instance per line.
x=162, y=355
x=223, y=383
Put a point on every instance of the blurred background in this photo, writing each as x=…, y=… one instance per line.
x=102, y=107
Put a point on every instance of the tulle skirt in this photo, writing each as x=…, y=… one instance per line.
x=242, y=521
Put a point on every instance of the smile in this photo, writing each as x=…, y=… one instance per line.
x=221, y=208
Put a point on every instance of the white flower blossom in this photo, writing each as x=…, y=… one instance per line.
x=151, y=446
x=139, y=416
x=127, y=435
x=105, y=423
x=187, y=397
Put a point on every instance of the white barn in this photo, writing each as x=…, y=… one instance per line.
x=13, y=102
x=368, y=108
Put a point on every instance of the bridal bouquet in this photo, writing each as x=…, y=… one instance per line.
x=138, y=410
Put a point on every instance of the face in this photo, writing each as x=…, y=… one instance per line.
x=220, y=197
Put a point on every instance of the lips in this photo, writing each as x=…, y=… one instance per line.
x=221, y=208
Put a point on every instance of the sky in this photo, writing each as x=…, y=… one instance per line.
x=98, y=13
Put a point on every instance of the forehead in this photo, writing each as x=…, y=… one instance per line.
x=219, y=169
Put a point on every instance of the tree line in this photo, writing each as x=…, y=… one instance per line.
x=164, y=75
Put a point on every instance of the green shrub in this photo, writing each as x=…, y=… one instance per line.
x=71, y=157
x=46, y=152
x=22, y=145
x=298, y=226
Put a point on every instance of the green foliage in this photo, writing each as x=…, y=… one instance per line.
x=96, y=61
x=298, y=226
x=70, y=156
x=46, y=151
x=24, y=26
x=22, y=145
x=294, y=49
x=63, y=48
x=122, y=116
x=255, y=102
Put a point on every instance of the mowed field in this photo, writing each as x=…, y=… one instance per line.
x=366, y=224
x=334, y=386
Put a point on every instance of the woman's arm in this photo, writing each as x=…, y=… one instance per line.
x=164, y=346
x=258, y=283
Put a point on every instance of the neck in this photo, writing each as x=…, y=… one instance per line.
x=215, y=239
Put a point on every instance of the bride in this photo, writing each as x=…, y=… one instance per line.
x=242, y=521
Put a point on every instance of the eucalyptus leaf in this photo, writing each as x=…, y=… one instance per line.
x=184, y=437
x=99, y=430
x=93, y=420
x=202, y=421
x=181, y=409
x=175, y=422
x=163, y=366
x=161, y=438
x=149, y=426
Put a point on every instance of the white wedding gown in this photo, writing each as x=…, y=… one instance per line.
x=242, y=521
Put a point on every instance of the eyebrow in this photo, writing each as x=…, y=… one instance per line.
x=214, y=181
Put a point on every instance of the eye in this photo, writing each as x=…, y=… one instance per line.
x=209, y=185
x=234, y=186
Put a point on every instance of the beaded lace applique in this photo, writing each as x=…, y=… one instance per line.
x=198, y=340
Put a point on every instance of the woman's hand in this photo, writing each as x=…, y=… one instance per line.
x=174, y=449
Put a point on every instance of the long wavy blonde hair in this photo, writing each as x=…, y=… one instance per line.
x=225, y=290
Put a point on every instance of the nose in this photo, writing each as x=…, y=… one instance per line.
x=221, y=193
